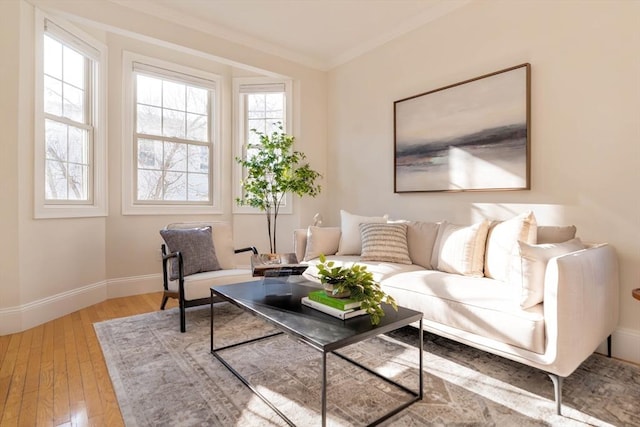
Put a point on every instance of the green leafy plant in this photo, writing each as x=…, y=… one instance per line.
x=358, y=282
x=274, y=169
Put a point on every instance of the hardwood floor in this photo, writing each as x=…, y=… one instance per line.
x=55, y=374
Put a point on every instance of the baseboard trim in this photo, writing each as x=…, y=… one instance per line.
x=29, y=315
x=125, y=286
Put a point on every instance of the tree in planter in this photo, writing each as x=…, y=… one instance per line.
x=274, y=169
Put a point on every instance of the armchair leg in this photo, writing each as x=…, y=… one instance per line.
x=165, y=298
x=183, y=317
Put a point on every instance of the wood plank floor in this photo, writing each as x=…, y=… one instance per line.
x=55, y=374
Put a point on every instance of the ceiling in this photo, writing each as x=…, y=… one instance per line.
x=318, y=33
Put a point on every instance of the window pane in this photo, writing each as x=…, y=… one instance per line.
x=196, y=127
x=197, y=100
x=149, y=120
x=256, y=102
x=52, y=96
x=198, y=158
x=149, y=154
x=55, y=180
x=52, y=57
x=198, y=187
x=274, y=105
x=55, y=140
x=149, y=184
x=175, y=186
x=173, y=123
x=73, y=103
x=149, y=90
x=78, y=149
x=173, y=95
x=175, y=156
x=73, y=71
x=77, y=182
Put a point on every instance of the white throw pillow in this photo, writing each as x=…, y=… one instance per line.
x=350, y=243
x=461, y=248
x=533, y=266
x=321, y=240
x=502, y=244
x=385, y=243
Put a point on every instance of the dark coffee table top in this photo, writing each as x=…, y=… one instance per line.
x=277, y=300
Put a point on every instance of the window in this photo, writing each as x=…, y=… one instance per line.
x=174, y=157
x=263, y=104
x=70, y=124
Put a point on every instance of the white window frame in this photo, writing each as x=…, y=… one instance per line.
x=129, y=156
x=71, y=36
x=241, y=133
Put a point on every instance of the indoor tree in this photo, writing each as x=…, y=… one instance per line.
x=273, y=169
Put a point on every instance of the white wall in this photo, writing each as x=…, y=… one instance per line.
x=585, y=155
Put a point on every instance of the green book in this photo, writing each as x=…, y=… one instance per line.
x=339, y=303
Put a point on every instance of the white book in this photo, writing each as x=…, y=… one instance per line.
x=340, y=314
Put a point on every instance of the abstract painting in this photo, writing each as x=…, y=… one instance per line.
x=469, y=136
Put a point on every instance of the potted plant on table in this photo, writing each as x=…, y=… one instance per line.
x=274, y=169
x=357, y=283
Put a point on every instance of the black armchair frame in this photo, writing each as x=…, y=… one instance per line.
x=179, y=295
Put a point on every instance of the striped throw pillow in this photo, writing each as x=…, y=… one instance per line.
x=384, y=243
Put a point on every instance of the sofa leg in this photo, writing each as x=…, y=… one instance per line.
x=557, y=388
x=609, y=346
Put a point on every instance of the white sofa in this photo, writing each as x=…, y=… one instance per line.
x=578, y=308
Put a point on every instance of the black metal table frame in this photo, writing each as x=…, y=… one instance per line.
x=417, y=396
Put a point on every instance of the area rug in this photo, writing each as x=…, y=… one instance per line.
x=162, y=377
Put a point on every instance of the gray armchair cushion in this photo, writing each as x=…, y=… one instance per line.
x=196, y=247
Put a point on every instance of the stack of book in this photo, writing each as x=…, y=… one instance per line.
x=342, y=308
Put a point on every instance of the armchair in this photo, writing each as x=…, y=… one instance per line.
x=188, y=278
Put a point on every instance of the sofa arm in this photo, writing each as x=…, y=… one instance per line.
x=300, y=243
x=580, y=305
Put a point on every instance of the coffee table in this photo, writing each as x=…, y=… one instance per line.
x=277, y=301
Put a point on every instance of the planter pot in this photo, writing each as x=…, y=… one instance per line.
x=328, y=289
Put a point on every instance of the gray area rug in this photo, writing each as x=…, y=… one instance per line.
x=164, y=378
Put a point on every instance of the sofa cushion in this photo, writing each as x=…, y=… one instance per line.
x=502, y=244
x=350, y=243
x=529, y=277
x=321, y=240
x=380, y=270
x=384, y=242
x=555, y=234
x=477, y=305
x=460, y=249
x=196, y=247
x=421, y=238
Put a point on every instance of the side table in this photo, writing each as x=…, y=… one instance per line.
x=636, y=293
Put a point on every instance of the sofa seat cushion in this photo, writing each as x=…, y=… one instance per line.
x=478, y=305
x=199, y=285
x=380, y=270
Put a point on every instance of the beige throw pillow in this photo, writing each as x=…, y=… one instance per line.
x=555, y=234
x=502, y=244
x=385, y=243
x=350, y=243
x=461, y=248
x=530, y=275
x=321, y=240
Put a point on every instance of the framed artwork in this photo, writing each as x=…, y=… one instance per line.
x=469, y=136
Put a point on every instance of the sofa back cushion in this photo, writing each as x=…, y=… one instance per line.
x=460, y=249
x=321, y=240
x=555, y=234
x=350, y=242
x=502, y=244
